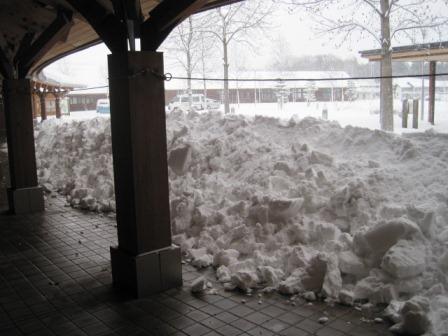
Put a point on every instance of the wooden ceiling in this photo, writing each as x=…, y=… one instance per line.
x=23, y=22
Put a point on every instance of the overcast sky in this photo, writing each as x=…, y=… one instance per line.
x=292, y=32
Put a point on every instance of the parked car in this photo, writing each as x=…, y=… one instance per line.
x=198, y=102
x=103, y=106
x=213, y=104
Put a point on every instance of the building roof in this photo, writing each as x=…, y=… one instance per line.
x=92, y=91
x=437, y=51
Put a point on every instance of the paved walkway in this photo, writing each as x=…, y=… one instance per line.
x=55, y=280
x=3, y=174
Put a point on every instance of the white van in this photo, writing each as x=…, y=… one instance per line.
x=103, y=106
x=199, y=102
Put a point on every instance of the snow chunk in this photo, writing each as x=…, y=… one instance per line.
x=405, y=260
x=377, y=240
x=245, y=279
x=350, y=263
x=270, y=275
x=225, y=257
x=320, y=158
x=200, y=257
x=414, y=318
x=198, y=285
x=223, y=274
x=332, y=284
x=346, y=297
x=179, y=159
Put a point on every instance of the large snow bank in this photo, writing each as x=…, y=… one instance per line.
x=298, y=206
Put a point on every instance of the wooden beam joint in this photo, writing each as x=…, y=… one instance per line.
x=44, y=42
x=164, y=18
x=109, y=28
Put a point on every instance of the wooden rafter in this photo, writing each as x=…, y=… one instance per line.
x=45, y=41
x=164, y=18
x=24, y=45
x=6, y=68
x=110, y=29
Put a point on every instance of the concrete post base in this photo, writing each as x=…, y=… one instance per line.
x=26, y=200
x=147, y=273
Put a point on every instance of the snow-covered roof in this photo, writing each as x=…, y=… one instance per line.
x=92, y=91
x=57, y=78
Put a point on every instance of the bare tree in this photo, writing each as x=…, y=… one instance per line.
x=233, y=24
x=384, y=21
x=184, y=46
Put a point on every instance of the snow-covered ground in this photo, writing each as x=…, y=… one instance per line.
x=298, y=205
x=361, y=113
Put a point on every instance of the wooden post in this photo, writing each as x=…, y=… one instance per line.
x=404, y=114
x=43, y=105
x=415, y=105
x=58, y=105
x=2, y=121
x=144, y=262
x=432, y=91
x=24, y=195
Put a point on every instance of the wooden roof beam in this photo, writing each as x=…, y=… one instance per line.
x=24, y=45
x=49, y=37
x=6, y=68
x=108, y=27
x=130, y=12
x=164, y=18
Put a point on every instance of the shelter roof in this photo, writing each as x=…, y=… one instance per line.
x=23, y=22
x=437, y=51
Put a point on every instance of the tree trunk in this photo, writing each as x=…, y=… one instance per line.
x=189, y=63
x=386, y=90
x=189, y=74
x=226, y=77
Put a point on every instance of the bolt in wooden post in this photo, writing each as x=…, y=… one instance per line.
x=415, y=113
x=404, y=114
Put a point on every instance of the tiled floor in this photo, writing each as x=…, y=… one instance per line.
x=3, y=174
x=55, y=280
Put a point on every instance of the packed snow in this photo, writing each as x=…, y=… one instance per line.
x=299, y=206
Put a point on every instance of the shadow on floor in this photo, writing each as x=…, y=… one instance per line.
x=4, y=176
x=55, y=280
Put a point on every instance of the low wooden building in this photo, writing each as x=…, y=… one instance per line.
x=86, y=99
x=327, y=86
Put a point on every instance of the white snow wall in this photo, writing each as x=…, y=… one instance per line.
x=296, y=206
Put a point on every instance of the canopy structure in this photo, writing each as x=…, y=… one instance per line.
x=34, y=33
x=417, y=52
x=425, y=52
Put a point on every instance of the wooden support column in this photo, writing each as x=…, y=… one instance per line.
x=144, y=262
x=24, y=195
x=57, y=98
x=43, y=105
x=432, y=91
x=2, y=121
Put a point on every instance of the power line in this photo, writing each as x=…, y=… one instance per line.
x=301, y=79
x=169, y=77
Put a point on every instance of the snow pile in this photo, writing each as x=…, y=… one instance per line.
x=297, y=206
x=75, y=159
